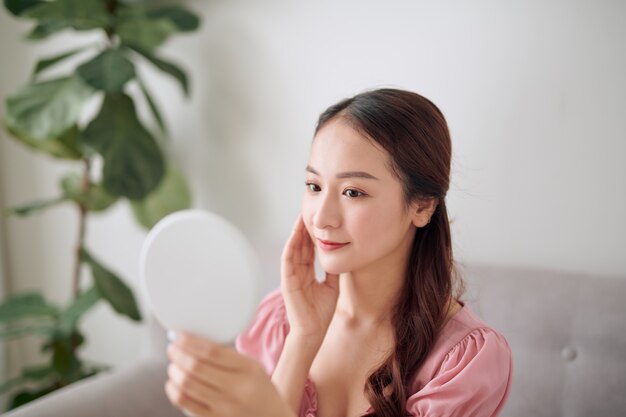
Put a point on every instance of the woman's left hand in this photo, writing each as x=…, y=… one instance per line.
x=208, y=379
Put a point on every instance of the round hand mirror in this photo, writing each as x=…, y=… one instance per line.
x=201, y=275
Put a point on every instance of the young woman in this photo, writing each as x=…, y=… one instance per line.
x=384, y=334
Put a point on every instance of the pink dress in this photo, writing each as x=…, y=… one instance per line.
x=467, y=373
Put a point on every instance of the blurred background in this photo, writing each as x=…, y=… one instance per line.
x=533, y=92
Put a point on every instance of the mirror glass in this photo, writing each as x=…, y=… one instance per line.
x=201, y=275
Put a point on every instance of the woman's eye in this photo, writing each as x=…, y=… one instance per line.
x=352, y=193
x=312, y=187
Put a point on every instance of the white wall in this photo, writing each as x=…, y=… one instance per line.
x=533, y=92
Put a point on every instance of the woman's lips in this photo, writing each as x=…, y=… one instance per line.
x=329, y=245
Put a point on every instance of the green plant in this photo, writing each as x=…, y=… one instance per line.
x=44, y=115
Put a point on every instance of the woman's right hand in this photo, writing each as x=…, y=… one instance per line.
x=310, y=304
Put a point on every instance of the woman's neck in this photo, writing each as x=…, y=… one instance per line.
x=369, y=296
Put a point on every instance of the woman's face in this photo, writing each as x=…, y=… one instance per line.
x=353, y=198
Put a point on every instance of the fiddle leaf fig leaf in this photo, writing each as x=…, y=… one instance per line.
x=48, y=62
x=112, y=288
x=7, y=386
x=26, y=395
x=44, y=110
x=171, y=195
x=45, y=29
x=153, y=106
x=72, y=314
x=133, y=163
x=65, y=146
x=183, y=20
x=29, y=208
x=17, y=7
x=165, y=66
x=25, y=306
x=144, y=32
x=95, y=199
x=37, y=372
x=109, y=71
x=15, y=332
x=78, y=14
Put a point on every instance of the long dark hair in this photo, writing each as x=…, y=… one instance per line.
x=415, y=134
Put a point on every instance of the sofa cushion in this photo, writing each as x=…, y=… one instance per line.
x=567, y=332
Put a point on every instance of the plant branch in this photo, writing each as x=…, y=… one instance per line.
x=111, y=7
x=81, y=227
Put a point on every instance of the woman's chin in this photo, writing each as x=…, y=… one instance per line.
x=333, y=267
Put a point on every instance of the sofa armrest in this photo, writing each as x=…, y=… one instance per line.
x=135, y=391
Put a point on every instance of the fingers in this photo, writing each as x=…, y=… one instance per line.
x=204, y=377
x=212, y=376
x=293, y=242
x=190, y=386
x=308, y=252
x=299, y=247
x=209, y=352
x=185, y=402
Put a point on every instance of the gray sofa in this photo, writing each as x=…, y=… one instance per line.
x=567, y=332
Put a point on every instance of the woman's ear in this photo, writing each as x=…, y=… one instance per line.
x=423, y=210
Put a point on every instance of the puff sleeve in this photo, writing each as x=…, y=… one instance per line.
x=265, y=336
x=473, y=380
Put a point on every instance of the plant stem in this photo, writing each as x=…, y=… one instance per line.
x=81, y=226
x=111, y=6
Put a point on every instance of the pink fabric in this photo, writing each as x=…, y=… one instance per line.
x=467, y=373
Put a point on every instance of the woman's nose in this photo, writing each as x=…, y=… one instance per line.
x=327, y=214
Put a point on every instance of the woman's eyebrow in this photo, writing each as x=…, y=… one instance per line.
x=348, y=174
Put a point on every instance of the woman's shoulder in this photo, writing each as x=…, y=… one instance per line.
x=469, y=336
x=265, y=335
x=465, y=336
x=469, y=368
x=466, y=324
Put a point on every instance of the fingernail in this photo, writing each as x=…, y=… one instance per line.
x=171, y=335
